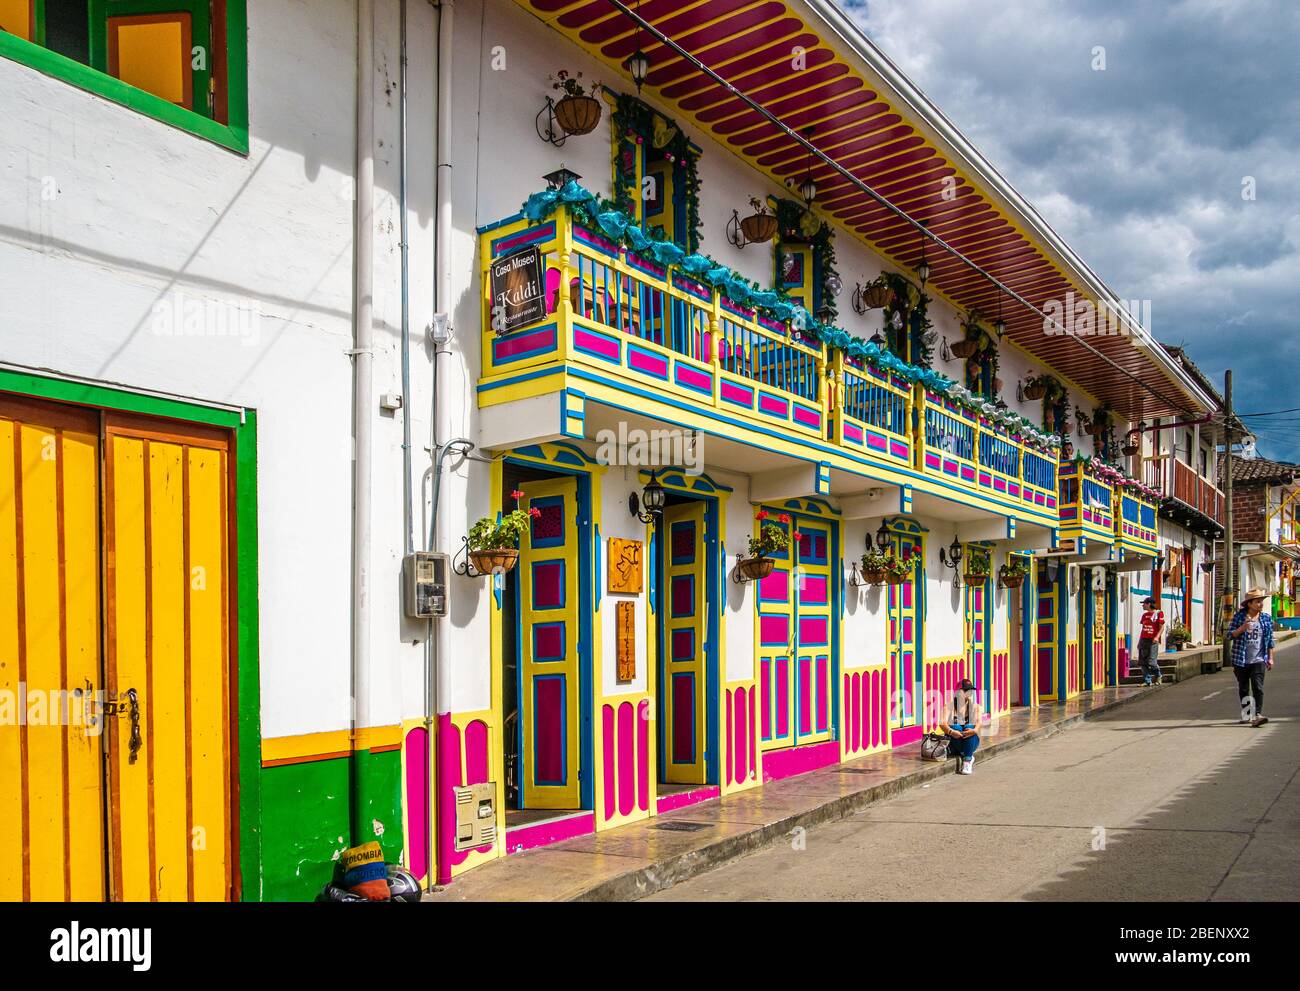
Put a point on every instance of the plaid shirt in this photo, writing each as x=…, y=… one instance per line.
x=1239, y=643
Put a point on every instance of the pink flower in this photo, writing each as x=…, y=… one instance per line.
x=517, y=494
x=534, y=512
x=761, y=514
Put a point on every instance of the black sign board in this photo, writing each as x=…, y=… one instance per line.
x=517, y=295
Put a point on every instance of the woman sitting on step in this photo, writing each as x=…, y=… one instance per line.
x=962, y=726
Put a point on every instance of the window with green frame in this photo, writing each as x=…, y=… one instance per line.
x=180, y=61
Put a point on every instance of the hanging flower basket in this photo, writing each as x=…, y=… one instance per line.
x=755, y=568
x=759, y=227
x=877, y=295
x=1035, y=390
x=1131, y=449
x=976, y=578
x=493, y=562
x=963, y=348
x=577, y=114
x=1011, y=580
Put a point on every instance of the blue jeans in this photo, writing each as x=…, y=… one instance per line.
x=965, y=746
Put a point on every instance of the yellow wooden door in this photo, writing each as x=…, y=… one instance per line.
x=119, y=760
x=166, y=583
x=549, y=666
x=51, y=799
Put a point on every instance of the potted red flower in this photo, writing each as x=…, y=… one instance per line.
x=494, y=543
x=771, y=538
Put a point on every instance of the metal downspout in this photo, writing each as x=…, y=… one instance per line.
x=362, y=409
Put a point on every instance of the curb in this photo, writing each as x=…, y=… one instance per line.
x=657, y=877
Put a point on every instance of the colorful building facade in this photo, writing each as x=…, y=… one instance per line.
x=200, y=368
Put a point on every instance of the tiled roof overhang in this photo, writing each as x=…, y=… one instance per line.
x=870, y=120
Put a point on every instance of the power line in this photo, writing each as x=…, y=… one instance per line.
x=921, y=228
x=1276, y=412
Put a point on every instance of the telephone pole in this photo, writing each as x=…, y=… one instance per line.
x=1229, y=569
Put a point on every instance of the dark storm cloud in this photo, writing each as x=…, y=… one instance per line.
x=1141, y=166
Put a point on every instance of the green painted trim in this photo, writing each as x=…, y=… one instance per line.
x=233, y=135
x=200, y=12
x=248, y=703
x=307, y=818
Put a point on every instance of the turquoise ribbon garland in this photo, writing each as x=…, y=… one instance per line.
x=619, y=227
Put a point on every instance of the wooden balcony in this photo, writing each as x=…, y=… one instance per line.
x=1087, y=506
x=646, y=339
x=1135, y=522
x=1189, y=500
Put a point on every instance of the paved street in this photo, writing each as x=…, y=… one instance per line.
x=1166, y=798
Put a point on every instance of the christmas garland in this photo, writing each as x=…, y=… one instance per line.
x=789, y=221
x=602, y=214
x=912, y=305
x=1116, y=477
x=633, y=122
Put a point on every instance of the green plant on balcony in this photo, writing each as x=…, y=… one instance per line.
x=772, y=537
x=875, y=567
x=1178, y=636
x=494, y=541
x=978, y=565
x=1013, y=573
x=898, y=569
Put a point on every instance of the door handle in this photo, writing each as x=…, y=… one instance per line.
x=133, y=709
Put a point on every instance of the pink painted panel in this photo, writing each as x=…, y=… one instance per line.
x=541, y=834
x=774, y=629
x=782, y=696
x=907, y=629
x=814, y=591
x=683, y=648
x=476, y=752
x=608, y=756
x=683, y=718
x=878, y=695
x=549, y=731
x=626, y=760
x=548, y=585
x=785, y=763
x=448, y=744
x=683, y=799
x=852, y=686
x=813, y=631
x=731, y=736
x=775, y=587
x=805, y=694
x=596, y=343
x=643, y=755
x=741, y=743
x=823, y=694
x=765, y=676
x=753, y=736
x=417, y=799
x=906, y=588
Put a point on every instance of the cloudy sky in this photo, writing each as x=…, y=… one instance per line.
x=1141, y=166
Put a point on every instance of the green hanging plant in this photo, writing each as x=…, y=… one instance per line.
x=634, y=123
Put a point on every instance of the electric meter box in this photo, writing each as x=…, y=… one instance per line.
x=476, y=815
x=424, y=584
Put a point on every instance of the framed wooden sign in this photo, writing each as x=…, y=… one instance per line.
x=517, y=296
x=624, y=568
x=626, y=631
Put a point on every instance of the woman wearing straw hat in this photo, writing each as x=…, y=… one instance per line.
x=1251, y=633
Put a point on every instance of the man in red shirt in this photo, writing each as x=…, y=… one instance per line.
x=1153, y=624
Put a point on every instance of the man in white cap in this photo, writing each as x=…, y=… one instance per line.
x=1251, y=635
x=1153, y=624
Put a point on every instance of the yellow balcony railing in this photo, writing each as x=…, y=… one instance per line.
x=1086, y=505
x=1135, y=522
x=616, y=319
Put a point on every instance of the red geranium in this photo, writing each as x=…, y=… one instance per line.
x=761, y=514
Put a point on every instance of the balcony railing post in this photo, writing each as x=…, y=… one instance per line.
x=564, y=305
x=714, y=338
x=917, y=419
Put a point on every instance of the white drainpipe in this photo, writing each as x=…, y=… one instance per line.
x=363, y=398
x=440, y=702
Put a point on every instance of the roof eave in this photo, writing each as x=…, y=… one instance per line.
x=943, y=132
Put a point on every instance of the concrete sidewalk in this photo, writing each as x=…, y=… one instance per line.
x=632, y=861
